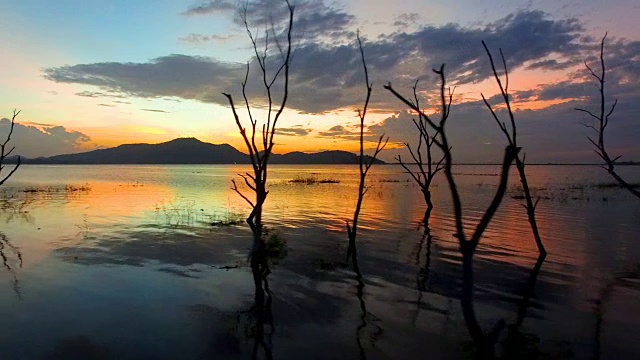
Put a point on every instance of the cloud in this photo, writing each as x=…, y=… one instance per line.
x=181, y=76
x=155, y=110
x=294, y=131
x=314, y=20
x=209, y=7
x=338, y=131
x=198, y=39
x=106, y=105
x=97, y=94
x=328, y=75
x=34, y=141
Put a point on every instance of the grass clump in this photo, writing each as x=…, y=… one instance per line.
x=276, y=245
x=312, y=180
x=228, y=219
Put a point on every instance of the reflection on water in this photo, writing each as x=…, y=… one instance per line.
x=123, y=262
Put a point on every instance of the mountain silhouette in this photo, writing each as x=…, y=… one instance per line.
x=188, y=151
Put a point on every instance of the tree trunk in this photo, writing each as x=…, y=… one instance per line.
x=427, y=199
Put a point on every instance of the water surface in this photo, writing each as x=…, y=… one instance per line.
x=124, y=262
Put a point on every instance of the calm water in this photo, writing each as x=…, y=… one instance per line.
x=123, y=262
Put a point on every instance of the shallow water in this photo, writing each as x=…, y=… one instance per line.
x=123, y=262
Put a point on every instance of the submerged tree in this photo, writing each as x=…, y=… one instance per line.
x=6, y=246
x=512, y=139
x=364, y=166
x=425, y=172
x=602, y=121
x=5, y=151
x=260, y=149
x=468, y=244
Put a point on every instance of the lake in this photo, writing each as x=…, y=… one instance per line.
x=150, y=262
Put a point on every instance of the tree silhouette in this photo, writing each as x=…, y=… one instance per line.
x=260, y=149
x=530, y=206
x=483, y=342
x=5, y=151
x=425, y=172
x=602, y=121
x=364, y=166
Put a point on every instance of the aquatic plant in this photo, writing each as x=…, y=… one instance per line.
x=228, y=218
x=257, y=181
x=312, y=180
x=275, y=245
x=602, y=121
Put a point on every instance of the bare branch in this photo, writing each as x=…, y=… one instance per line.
x=602, y=123
x=4, y=153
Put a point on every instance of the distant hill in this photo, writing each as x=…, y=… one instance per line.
x=188, y=151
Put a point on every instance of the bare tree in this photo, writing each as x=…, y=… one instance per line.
x=484, y=342
x=260, y=149
x=602, y=121
x=512, y=139
x=5, y=151
x=425, y=172
x=352, y=229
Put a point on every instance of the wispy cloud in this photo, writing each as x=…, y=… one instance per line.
x=155, y=110
x=198, y=39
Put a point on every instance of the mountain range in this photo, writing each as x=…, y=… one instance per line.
x=188, y=151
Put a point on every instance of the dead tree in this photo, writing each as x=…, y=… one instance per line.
x=364, y=165
x=425, y=173
x=5, y=151
x=260, y=149
x=602, y=121
x=483, y=342
x=512, y=139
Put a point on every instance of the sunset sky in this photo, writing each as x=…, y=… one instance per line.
x=98, y=73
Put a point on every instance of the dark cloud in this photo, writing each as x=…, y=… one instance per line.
x=326, y=77
x=406, y=20
x=209, y=7
x=338, y=131
x=371, y=133
x=550, y=64
x=314, y=20
x=187, y=77
x=106, y=105
x=551, y=134
x=32, y=141
x=294, y=131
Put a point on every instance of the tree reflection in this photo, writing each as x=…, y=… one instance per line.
x=366, y=318
x=515, y=343
x=422, y=278
x=11, y=259
x=259, y=325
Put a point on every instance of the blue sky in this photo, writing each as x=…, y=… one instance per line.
x=112, y=72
